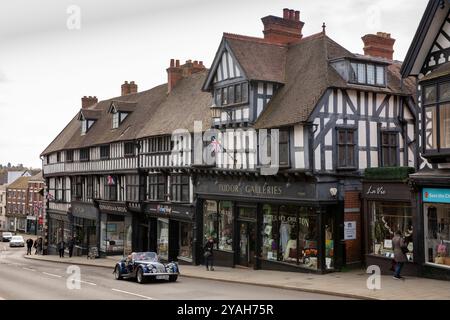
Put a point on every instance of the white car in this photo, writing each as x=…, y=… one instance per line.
x=17, y=241
x=6, y=236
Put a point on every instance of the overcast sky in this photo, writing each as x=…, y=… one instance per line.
x=47, y=64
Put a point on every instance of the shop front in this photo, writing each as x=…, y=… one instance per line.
x=84, y=218
x=388, y=207
x=436, y=232
x=116, y=228
x=171, y=231
x=287, y=224
x=59, y=229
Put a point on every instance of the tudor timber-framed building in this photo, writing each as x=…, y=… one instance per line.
x=428, y=61
x=121, y=180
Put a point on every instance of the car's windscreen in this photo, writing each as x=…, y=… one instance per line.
x=17, y=238
x=145, y=256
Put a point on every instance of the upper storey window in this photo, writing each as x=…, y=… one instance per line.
x=436, y=115
x=363, y=72
x=120, y=110
x=368, y=74
x=231, y=95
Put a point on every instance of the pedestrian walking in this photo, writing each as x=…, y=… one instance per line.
x=29, y=246
x=35, y=246
x=61, y=247
x=209, y=254
x=40, y=243
x=70, y=245
x=400, y=250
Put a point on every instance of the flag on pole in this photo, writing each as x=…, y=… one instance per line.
x=215, y=145
x=111, y=181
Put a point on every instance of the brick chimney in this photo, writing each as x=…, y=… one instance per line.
x=176, y=72
x=379, y=45
x=283, y=30
x=129, y=88
x=88, y=101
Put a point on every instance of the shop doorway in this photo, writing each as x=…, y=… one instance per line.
x=247, y=243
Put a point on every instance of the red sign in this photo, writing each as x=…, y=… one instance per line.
x=41, y=220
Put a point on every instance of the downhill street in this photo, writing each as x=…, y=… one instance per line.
x=22, y=278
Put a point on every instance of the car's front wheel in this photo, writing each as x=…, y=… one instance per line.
x=140, y=276
x=117, y=274
x=173, y=278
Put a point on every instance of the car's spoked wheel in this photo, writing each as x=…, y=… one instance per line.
x=140, y=276
x=117, y=275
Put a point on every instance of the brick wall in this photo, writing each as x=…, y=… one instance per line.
x=352, y=207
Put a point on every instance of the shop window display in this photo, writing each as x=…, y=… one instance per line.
x=385, y=219
x=289, y=235
x=186, y=239
x=225, y=226
x=437, y=234
x=218, y=223
x=163, y=238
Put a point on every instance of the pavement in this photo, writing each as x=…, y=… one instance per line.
x=349, y=284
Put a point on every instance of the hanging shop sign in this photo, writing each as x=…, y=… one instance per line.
x=436, y=195
x=170, y=211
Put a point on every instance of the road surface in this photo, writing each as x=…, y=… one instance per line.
x=26, y=279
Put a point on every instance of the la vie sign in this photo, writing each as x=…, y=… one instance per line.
x=376, y=190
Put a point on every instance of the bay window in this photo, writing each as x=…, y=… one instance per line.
x=436, y=118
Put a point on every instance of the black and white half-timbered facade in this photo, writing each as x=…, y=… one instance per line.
x=337, y=115
x=265, y=152
x=428, y=60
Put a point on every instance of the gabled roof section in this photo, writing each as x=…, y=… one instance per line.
x=259, y=59
x=309, y=74
x=89, y=114
x=434, y=17
x=122, y=106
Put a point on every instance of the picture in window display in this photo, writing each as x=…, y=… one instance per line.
x=163, y=238
x=385, y=219
x=186, y=240
x=290, y=235
x=437, y=234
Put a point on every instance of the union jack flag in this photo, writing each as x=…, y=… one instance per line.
x=111, y=181
x=215, y=145
x=50, y=196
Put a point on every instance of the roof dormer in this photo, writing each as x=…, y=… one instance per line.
x=120, y=111
x=88, y=118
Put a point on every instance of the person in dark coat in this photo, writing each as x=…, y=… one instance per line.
x=61, y=247
x=209, y=254
x=399, y=246
x=70, y=245
x=29, y=246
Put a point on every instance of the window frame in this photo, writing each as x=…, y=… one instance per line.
x=354, y=76
x=436, y=83
x=176, y=188
x=129, y=145
x=153, y=187
x=220, y=97
x=105, y=155
x=86, y=159
x=354, y=130
x=69, y=158
x=390, y=147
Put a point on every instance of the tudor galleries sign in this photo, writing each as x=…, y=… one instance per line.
x=261, y=188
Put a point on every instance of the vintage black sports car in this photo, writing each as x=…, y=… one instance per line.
x=144, y=266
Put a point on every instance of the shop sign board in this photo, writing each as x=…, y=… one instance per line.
x=435, y=195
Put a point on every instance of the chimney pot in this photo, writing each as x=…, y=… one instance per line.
x=379, y=45
x=297, y=15
x=291, y=14
x=88, y=101
x=177, y=64
x=172, y=63
x=286, y=14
